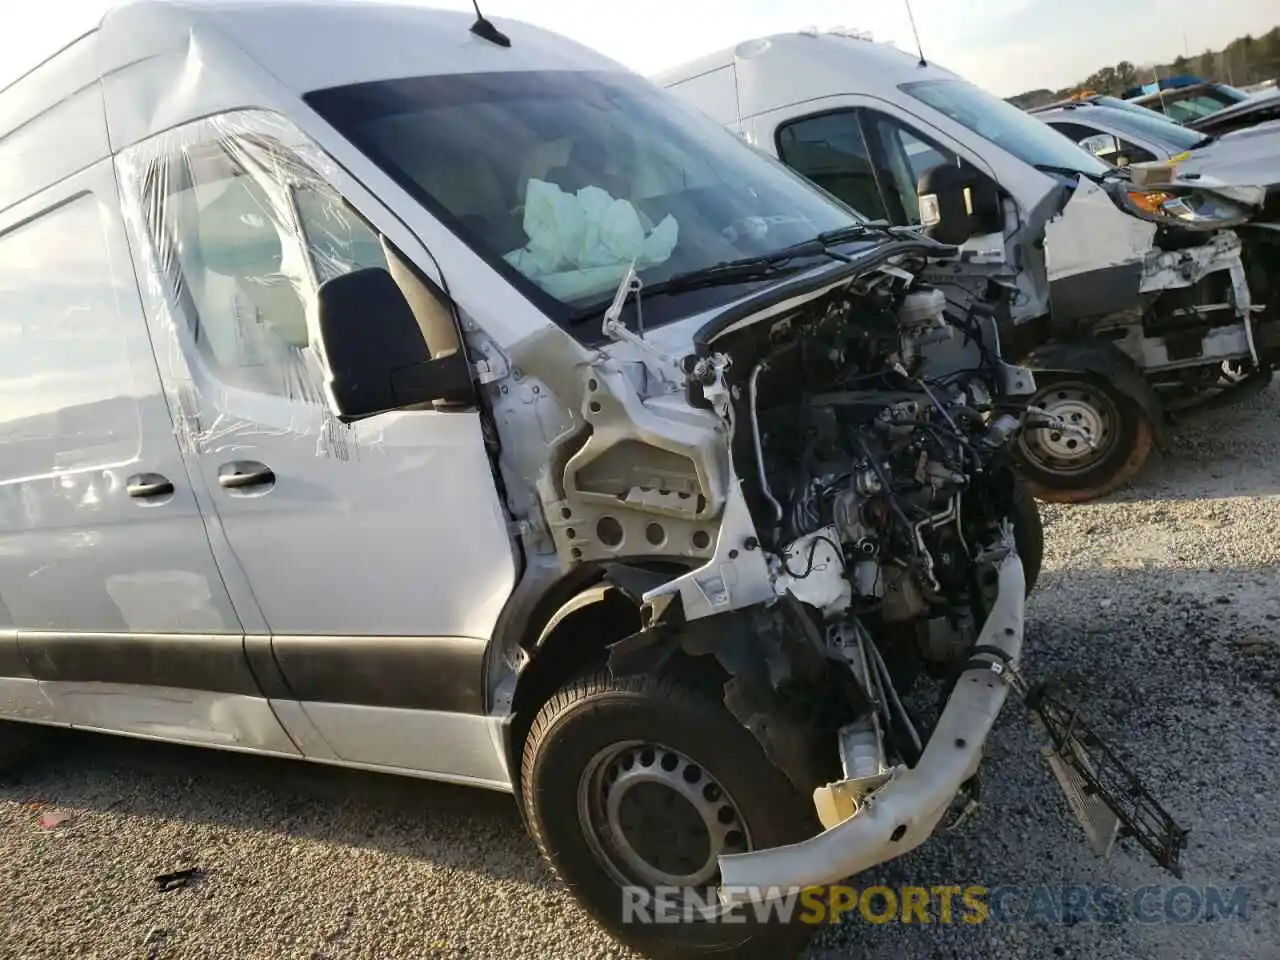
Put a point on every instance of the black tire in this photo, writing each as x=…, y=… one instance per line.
x=596, y=715
x=1028, y=533
x=1128, y=438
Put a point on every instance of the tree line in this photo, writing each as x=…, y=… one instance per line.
x=1245, y=60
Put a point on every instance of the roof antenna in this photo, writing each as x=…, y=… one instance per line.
x=912, y=17
x=485, y=30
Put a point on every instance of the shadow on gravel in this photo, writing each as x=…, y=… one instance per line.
x=1183, y=679
x=1127, y=626
x=1228, y=452
x=452, y=827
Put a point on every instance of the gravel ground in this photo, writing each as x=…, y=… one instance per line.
x=1164, y=599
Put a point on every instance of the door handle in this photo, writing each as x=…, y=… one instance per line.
x=143, y=485
x=239, y=474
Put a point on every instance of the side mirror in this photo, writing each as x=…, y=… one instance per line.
x=1101, y=144
x=956, y=202
x=374, y=353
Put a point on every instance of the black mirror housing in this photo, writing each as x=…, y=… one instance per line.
x=956, y=202
x=944, y=209
x=1101, y=144
x=375, y=355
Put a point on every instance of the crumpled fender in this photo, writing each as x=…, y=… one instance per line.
x=1106, y=360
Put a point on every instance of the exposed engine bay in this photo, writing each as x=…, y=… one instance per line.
x=879, y=434
x=867, y=454
x=871, y=432
x=811, y=509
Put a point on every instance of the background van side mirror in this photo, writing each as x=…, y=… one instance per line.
x=957, y=202
x=374, y=353
x=1101, y=145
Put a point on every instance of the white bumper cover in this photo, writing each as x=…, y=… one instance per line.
x=903, y=813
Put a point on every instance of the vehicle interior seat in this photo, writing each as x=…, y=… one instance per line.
x=588, y=165
x=471, y=190
x=239, y=238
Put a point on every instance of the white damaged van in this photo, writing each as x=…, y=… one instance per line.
x=1131, y=301
x=387, y=389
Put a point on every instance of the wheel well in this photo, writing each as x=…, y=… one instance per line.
x=573, y=641
x=1102, y=359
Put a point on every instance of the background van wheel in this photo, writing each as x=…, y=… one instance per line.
x=1060, y=467
x=642, y=782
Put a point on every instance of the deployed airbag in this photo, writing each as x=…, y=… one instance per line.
x=583, y=242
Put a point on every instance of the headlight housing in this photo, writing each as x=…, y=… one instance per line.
x=1194, y=210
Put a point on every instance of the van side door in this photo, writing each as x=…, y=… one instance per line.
x=376, y=554
x=108, y=586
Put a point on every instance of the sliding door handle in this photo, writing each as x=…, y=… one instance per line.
x=144, y=485
x=239, y=474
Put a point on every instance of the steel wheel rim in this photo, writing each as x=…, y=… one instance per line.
x=1084, y=405
x=655, y=818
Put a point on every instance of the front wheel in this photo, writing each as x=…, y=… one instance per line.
x=633, y=787
x=1065, y=467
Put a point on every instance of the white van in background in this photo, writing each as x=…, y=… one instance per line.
x=1128, y=300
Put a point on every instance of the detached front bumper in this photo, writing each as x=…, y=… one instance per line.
x=903, y=813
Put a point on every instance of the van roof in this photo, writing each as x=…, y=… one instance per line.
x=152, y=65
x=311, y=44
x=787, y=67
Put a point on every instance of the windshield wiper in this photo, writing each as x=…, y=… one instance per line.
x=1203, y=142
x=1073, y=172
x=770, y=264
x=760, y=267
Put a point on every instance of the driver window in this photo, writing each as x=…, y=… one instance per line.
x=1127, y=152
x=253, y=233
x=241, y=270
x=1124, y=153
x=1074, y=131
x=908, y=156
x=831, y=151
x=1132, y=153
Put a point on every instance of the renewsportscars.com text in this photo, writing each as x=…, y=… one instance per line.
x=945, y=904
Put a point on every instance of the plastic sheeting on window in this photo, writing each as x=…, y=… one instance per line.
x=235, y=225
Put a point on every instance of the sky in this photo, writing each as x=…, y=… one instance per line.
x=1007, y=46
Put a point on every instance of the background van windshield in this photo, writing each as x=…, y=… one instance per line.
x=1009, y=128
x=1156, y=128
x=561, y=179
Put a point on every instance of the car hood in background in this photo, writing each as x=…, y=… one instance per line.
x=1243, y=157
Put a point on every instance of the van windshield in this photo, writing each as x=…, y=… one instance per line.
x=1030, y=140
x=562, y=179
